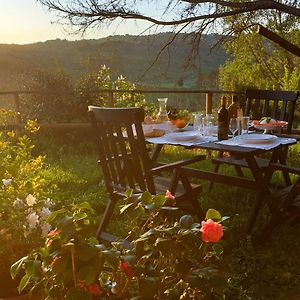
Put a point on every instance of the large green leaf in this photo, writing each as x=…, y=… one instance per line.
x=15, y=268
x=112, y=258
x=24, y=282
x=213, y=214
x=32, y=267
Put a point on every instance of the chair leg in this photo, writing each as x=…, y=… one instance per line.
x=276, y=220
x=106, y=217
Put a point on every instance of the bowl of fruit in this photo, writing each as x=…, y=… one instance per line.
x=181, y=119
x=268, y=124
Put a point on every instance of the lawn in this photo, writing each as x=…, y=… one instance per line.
x=267, y=272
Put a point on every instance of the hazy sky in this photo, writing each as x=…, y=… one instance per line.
x=26, y=21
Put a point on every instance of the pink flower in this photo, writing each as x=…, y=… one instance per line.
x=211, y=231
x=169, y=195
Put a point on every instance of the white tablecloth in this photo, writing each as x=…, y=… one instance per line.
x=236, y=141
x=168, y=139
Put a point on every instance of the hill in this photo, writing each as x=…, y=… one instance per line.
x=128, y=55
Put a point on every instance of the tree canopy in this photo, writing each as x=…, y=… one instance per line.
x=195, y=16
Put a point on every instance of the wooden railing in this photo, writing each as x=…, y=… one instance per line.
x=110, y=95
x=209, y=94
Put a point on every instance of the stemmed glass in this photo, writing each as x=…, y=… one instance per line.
x=233, y=125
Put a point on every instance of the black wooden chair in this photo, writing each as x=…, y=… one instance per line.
x=125, y=161
x=283, y=203
x=279, y=105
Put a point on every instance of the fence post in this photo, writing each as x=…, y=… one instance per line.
x=111, y=99
x=209, y=96
x=17, y=107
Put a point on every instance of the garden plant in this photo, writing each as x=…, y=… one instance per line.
x=168, y=260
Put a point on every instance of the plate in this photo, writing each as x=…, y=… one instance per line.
x=269, y=126
x=256, y=138
x=183, y=136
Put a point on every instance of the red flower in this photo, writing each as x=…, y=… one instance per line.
x=124, y=267
x=95, y=289
x=53, y=232
x=169, y=195
x=211, y=231
x=55, y=260
x=50, y=235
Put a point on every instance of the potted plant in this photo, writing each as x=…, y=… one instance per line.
x=168, y=260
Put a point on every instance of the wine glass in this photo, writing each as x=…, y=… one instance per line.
x=233, y=125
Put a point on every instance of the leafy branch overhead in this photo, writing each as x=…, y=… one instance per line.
x=193, y=15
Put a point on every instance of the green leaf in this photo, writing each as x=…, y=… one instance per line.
x=24, y=282
x=32, y=267
x=15, y=268
x=83, y=205
x=213, y=214
x=186, y=221
x=146, y=198
x=129, y=193
x=149, y=233
x=80, y=216
x=112, y=258
x=159, y=200
x=224, y=218
x=88, y=274
x=125, y=207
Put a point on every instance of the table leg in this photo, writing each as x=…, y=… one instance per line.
x=155, y=153
x=263, y=190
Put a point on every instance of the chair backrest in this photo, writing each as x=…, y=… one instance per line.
x=122, y=148
x=279, y=105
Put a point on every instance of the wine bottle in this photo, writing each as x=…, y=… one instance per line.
x=223, y=121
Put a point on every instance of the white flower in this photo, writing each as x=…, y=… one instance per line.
x=45, y=212
x=18, y=203
x=45, y=229
x=30, y=200
x=7, y=181
x=48, y=202
x=32, y=220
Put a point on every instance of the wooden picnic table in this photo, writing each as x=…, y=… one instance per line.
x=260, y=180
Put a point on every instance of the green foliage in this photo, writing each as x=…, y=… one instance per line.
x=88, y=87
x=52, y=97
x=72, y=262
x=258, y=63
x=24, y=204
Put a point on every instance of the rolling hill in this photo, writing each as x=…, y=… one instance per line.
x=128, y=55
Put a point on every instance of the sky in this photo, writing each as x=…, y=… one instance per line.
x=26, y=21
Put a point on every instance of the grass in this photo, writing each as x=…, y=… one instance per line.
x=268, y=272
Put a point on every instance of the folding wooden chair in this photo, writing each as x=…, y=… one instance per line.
x=279, y=105
x=125, y=162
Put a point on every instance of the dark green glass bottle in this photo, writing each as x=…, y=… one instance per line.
x=223, y=121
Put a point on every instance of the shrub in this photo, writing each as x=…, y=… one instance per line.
x=167, y=261
x=24, y=206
